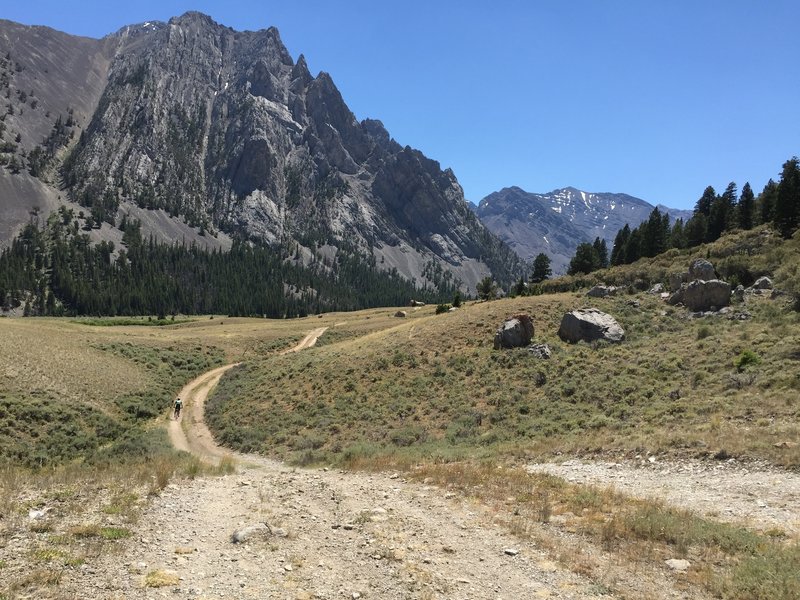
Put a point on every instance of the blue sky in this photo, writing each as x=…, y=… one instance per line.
x=657, y=99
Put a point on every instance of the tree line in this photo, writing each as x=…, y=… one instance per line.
x=54, y=270
x=713, y=215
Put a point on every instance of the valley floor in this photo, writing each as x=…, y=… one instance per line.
x=335, y=534
x=320, y=533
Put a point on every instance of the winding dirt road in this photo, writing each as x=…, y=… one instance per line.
x=319, y=533
x=189, y=432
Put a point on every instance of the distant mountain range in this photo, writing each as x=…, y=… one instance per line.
x=204, y=134
x=556, y=222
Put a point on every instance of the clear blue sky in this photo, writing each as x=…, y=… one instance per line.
x=653, y=98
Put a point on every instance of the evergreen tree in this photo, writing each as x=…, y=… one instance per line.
x=722, y=213
x=541, y=268
x=766, y=202
x=696, y=230
x=633, y=249
x=519, y=289
x=58, y=271
x=787, y=203
x=731, y=208
x=487, y=289
x=746, y=210
x=703, y=205
x=585, y=260
x=601, y=249
x=654, y=234
x=677, y=236
x=620, y=243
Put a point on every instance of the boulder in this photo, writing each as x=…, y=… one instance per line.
x=589, y=324
x=656, y=289
x=515, y=332
x=257, y=530
x=400, y=313
x=676, y=280
x=540, y=351
x=706, y=295
x=678, y=564
x=762, y=283
x=701, y=270
x=677, y=296
x=601, y=291
x=738, y=293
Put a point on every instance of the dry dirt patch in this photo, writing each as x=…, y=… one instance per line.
x=753, y=494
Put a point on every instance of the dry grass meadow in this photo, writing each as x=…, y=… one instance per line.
x=84, y=403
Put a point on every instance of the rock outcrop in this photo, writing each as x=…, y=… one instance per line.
x=601, y=291
x=676, y=280
x=761, y=284
x=701, y=270
x=515, y=332
x=706, y=295
x=703, y=292
x=590, y=324
x=542, y=351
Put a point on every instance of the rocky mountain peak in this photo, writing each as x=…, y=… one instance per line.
x=556, y=222
x=223, y=131
x=193, y=17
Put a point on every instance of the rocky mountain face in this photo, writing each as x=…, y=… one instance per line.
x=555, y=223
x=222, y=131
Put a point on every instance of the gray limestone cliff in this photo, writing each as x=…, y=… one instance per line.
x=222, y=130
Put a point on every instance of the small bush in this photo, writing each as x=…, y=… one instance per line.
x=160, y=578
x=407, y=436
x=442, y=308
x=114, y=533
x=747, y=358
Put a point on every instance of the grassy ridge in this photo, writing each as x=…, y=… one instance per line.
x=435, y=386
x=71, y=395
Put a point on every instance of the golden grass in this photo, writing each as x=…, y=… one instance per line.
x=161, y=578
x=433, y=385
x=56, y=358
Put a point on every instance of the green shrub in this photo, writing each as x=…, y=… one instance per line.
x=746, y=359
x=771, y=575
x=442, y=308
x=408, y=436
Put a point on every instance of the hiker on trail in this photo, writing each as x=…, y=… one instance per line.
x=178, y=406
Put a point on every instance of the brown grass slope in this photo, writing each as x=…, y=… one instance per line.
x=433, y=386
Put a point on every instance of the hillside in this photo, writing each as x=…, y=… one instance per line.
x=556, y=222
x=433, y=386
x=455, y=423
x=223, y=132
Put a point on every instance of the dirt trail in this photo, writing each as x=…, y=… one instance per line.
x=308, y=341
x=331, y=534
x=189, y=432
